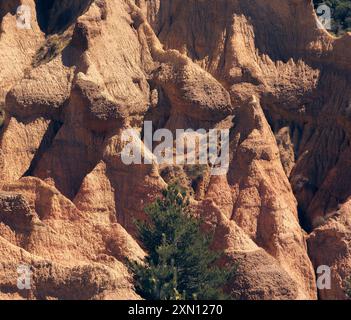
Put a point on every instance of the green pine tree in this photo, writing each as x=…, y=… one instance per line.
x=180, y=265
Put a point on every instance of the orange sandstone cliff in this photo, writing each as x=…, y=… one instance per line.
x=86, y=70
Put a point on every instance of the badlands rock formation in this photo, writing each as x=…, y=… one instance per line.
x=87, y=70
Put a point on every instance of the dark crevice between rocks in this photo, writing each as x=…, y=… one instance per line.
x=43, y=8
x=56, y=16
x=303, y=220
x=160, y=109
x=45, y=144
x=57, y=19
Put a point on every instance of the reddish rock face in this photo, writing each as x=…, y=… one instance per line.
x=282, y=89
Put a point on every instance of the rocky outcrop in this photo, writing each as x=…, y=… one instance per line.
x=63, y=245
x=263, y=202
x=88, y=70
x=329, y=245
x=301, y=78
x=259, y=275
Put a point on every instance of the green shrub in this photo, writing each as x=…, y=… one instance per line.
x=175, y=175
x=2, y=116
x=52, y=47
x=189, y=177
x=196, y=171
x=180, y=265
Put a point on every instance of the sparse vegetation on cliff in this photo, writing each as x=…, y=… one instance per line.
x=2, y=116
x=348, y=287
x=179, y=265
x=52, y=47
x=189, y=177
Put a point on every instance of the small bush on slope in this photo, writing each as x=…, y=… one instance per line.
x=52, y=47
x=2, y=116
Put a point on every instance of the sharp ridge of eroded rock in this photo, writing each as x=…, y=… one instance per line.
x=263, y=70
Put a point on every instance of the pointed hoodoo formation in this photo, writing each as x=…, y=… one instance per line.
x=72, y=83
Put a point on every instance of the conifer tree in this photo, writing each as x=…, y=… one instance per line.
x=180, y=264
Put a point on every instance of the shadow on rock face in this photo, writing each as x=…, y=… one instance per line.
x=8, y=6
x=56, y=16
